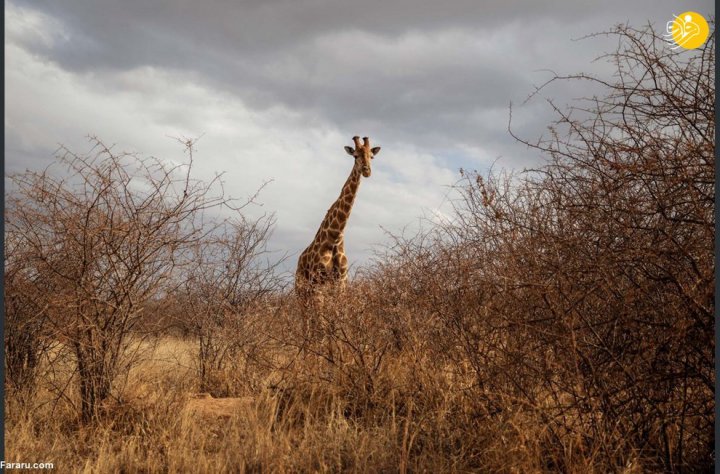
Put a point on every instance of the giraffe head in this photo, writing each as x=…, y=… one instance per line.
x=362, y=154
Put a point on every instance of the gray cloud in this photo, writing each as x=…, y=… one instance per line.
x=415, y=70
x=277, y=84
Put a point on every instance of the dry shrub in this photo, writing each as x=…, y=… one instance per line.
x=27, y=338
x=96, y=243
x=222, y=297
x=580, y=294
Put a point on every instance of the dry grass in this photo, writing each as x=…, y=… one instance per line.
x=159, y=426
x=414, y=419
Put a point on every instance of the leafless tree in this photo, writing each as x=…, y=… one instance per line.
x=223, y=292
x=97, y=242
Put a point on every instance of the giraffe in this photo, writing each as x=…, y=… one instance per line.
x=324, y=261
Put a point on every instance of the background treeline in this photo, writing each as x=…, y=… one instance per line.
x=561, y=319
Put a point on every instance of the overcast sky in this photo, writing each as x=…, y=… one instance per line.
x=276, y=88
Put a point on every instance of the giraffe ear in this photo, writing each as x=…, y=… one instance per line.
x=375, y=150
x=350, y=150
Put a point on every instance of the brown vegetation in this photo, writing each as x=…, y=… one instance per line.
x=563, y=320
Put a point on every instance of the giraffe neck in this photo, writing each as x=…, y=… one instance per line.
x=338, y=214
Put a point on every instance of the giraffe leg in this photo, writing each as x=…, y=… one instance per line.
x=340, y=262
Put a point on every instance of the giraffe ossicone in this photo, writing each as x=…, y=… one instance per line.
x=323, y=262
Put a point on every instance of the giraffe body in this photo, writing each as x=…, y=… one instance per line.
x=324, y=263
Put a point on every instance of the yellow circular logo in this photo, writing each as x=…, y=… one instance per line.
x=688, y=30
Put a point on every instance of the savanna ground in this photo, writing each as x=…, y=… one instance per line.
x=561, y=320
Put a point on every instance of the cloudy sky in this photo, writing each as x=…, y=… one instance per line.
x=276, y=88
